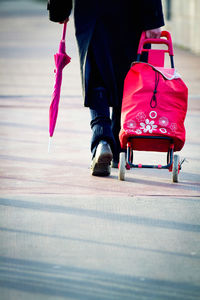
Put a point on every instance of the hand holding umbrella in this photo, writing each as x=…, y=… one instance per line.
x=61, y=60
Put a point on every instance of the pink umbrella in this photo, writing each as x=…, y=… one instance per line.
x=61, y=60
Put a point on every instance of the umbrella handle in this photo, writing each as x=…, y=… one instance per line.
x=62, y=42
x=64, y=31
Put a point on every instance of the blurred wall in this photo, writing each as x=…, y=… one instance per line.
x=182, y=18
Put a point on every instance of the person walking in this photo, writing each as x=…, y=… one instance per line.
x=107, y=34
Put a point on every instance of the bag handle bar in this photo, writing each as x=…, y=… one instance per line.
x=167, y=40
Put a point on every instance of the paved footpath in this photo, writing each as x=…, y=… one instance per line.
x=66, y=234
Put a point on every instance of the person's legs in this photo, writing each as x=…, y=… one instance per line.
x=100, y=120
x=100, y=92
x=102, y=137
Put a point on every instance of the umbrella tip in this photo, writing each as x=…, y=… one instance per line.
x=49, y=145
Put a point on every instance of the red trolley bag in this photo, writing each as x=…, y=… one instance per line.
x=154, y=107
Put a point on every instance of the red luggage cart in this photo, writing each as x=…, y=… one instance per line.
x=154, y=107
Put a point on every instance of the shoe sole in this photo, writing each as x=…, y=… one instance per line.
x=101, y=165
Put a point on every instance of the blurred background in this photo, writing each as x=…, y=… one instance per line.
x=182, y=19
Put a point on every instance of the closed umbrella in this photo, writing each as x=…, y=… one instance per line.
x=61, y=60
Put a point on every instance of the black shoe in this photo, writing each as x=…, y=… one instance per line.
x=100, y=165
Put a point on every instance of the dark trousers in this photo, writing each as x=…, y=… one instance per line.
x=105, y=126
x=105, y=70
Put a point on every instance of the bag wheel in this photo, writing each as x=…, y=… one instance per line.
x=175, y=168
x=122, y=166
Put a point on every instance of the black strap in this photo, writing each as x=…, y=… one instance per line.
x=153, y=102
